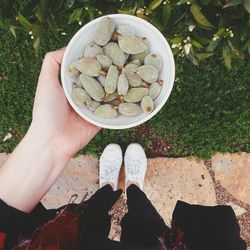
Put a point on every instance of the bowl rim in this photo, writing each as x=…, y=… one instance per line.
x=162, y=102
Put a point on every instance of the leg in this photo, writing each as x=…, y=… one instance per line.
x=142, y=224
x=99, y=204
x=98, y=219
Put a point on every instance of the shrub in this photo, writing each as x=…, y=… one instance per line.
x=196, y=29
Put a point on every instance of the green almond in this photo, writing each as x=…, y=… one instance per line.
x=131, y=44
x=92, y=87
x=136, y=94
x=106, y=111
x=148, y=73
x=129, y=109
x=155, y=60
x=92, y=50
x=113, y=51
x=104, y=30
x=88, y=66
x=111, y=80
x=147, y=104
x=80, y=97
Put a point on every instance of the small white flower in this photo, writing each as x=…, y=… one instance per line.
x=30, y=32
x=140, y=10
x=185, y=41
x=165, y=2
x=174, y=46
x=180, y=47
x=227, y=29
x=232, y=34
x=215, y=37
x=86, y=8
x=191, y=27
x=145, y=7
x=32, y=37
x=188, y=2
x=188, y=38
x=99, y=12
x=7, y=137
x=80, y=22
x=63, y=33
x=187, y=48
x=179, y=44
x=146, y=13
x=217, y=14
x=121, y=0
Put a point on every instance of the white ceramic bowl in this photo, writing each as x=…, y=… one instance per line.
x=157, y=44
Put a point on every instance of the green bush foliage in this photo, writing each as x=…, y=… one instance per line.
x=196, y=29
x=208, y=110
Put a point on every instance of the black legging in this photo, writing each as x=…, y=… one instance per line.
x=141, y=226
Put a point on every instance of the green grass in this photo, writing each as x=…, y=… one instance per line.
x=208, y=110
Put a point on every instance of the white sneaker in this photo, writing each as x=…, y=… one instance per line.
x=110, y=164
x=135, y=161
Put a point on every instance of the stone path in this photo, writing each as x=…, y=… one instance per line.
x=225, y=179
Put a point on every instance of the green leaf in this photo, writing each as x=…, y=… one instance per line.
x=24, y=21
x=36, y=45
x=205, y=2
x=231, y=3
x=12, y=29
x=58, y=4
x=175, y=51
x=220, y=31
x=246, y=4
x=39, y=15
x=69, y=3
x=75, y=15
x=199, y=17
x=227, y=56
x=234, y=50
x=247, y=46
x=154, y=4
x=202, y=40
x=176, y=40
x=36, y=30
x=202, y=56
x=127, y=11
x=166, y=13
x=213, y=45
x=157, y=24
x=193, y=59
x=142, y=16
x=181, y=2
x=197, y=44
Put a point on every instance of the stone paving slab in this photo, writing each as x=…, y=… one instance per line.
x=233, y=173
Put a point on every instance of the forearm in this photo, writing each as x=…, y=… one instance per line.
x=30, y=171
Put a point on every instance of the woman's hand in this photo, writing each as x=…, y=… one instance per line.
x=56, y=134
x=53, y=117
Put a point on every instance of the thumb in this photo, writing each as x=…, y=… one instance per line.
x=51, y=66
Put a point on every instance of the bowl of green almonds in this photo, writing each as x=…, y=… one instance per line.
x=117, y=71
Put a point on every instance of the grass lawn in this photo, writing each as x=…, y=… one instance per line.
x=208, y=110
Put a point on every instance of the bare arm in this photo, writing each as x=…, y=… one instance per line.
x=55, y=135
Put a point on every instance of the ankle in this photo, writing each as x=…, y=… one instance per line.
x=108, y=183
x=129, y=183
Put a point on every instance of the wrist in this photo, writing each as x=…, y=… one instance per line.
x=30, y=171
x=47, y=143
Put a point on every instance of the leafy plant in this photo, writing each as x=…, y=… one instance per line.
x=196, y=29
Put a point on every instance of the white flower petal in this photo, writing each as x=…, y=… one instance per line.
x=7, y=137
